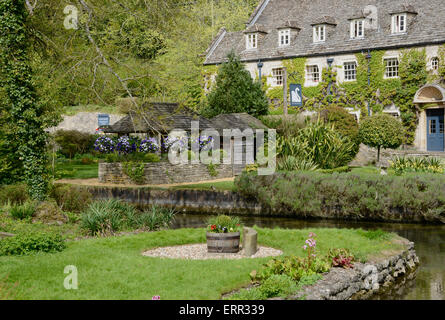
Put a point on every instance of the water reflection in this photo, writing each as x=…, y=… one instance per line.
x=429, y=283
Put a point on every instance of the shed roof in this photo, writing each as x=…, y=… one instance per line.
x=166, y=117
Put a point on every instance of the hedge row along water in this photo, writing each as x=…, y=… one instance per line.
x=410, y=198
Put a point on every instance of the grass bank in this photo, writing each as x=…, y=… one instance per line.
x=113, y=268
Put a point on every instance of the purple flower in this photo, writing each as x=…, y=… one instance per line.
x=149, y=145
x=156, y=298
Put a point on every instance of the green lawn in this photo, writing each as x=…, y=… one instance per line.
x=113, y=268
x=74, y=169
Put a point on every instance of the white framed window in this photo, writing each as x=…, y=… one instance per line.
x=319, y=33
x=350, y=69
x=313, y=74
x=284, y=37
x=251, y=41
x=358, y=29
x=399, y=23
x=435, y=63
x=278, y=76
x=391, y=68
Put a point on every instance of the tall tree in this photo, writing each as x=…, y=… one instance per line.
x=235, y=91
x=25, y=113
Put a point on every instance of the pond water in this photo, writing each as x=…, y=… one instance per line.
x=429, y=240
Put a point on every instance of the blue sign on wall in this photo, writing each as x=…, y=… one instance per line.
x=296, y=95
x=103, y=120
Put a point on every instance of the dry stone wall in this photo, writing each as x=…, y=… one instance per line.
x=164, y=173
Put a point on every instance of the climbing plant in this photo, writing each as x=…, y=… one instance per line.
x=25, y=113
x=380, y=92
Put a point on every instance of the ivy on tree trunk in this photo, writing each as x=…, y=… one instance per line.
x=24, y=111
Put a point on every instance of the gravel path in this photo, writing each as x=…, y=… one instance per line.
x=199, y=252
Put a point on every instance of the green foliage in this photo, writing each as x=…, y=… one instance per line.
x=25, y=114
x=291, y=163
x=71, y=198
x=319, y=143
x=348, y=195
x=13, y=194
x=373, y=234
x=381, y=131
x=223, y=224
x=294, y=267
x=235, y=91
x=108, y=217
x=343, y=122
x=31, y=243
x=403, y=165
x=278, y=286
x=23, y=211
x=73, y=142
x=154, y=218
x=212, y=169
x=135, y=171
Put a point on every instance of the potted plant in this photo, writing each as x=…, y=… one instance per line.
x=223, y=234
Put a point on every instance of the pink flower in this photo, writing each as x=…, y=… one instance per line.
x=156, y=298
x=312, y=235
x=304, y=247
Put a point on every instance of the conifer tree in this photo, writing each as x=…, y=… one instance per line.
x=235, y=91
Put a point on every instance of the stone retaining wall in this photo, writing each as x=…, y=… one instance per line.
x=164, y=173
x=365, y=281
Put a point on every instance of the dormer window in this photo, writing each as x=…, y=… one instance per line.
x=399, y=24
x=358, y=29
x=319, y=33
x=284, y=37
x=251, y=41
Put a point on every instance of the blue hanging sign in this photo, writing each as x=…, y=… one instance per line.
x=296, y=95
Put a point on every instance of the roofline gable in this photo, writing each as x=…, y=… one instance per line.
x=257, y=13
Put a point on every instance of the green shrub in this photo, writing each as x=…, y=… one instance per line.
x=28, y=243
x=108, y=217
x=235, y=91
x=348, y=195
x=381, y=131
x=23, y=211
x=14, y=194
x=290, y=163
x=278, y=286
x=151, y=158
x=154, y=218
x=336, y=170
x=403, y=165
x=71, y=198
x=293, y=267
x=344, y=123
x=321, y=144
x=72, y=142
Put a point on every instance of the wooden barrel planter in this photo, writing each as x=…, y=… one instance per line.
x=223, y=242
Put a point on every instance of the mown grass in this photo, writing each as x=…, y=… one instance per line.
x=74, y=169
x=113, y=268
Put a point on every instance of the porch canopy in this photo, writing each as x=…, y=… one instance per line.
x=430, y=93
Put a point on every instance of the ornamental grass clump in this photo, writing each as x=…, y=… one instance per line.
x=224, y=224
x=402, y=165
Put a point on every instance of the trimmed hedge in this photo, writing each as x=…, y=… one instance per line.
x=410, y=198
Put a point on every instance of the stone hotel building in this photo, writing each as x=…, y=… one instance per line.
x=332, y=33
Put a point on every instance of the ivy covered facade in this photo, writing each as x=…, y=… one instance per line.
x=366, y=56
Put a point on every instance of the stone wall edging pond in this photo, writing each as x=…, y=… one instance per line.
x=367, y=280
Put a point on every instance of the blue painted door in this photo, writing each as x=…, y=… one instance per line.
x=435, y=127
